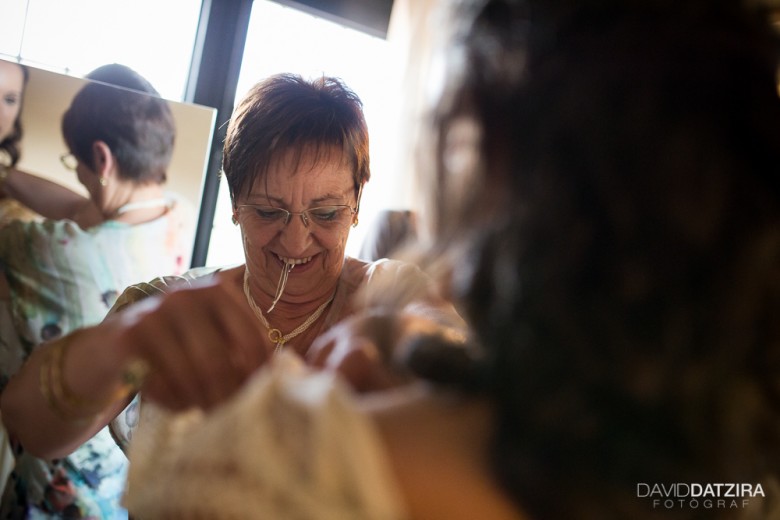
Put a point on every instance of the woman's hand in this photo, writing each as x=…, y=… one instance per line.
x=360, y=348
x=200, y=344
x=370, y=349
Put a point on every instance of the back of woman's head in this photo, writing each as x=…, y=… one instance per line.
x=121, y=108
x=287, y=112
x=122, y=76
x=607, y=176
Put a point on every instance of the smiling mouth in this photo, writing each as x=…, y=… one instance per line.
x=294, y=261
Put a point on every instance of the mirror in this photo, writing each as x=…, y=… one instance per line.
x=47, y=97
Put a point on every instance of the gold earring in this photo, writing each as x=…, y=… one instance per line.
x=234, y=219
x=355, y=222
x=103, y=181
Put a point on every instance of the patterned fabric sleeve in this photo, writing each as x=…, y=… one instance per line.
x=61, y=278
x=160, y=285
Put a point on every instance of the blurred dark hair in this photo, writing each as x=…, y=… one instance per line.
x=122, y=109
x=606, y=184
x=286, y=112
x=11, y=145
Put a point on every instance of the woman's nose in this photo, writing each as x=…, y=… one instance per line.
x=296, y=235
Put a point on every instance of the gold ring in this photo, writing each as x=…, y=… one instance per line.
x=135, y=373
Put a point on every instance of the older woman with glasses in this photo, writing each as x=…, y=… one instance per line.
x=66, y=269
x=616, y=252
x=296, y=160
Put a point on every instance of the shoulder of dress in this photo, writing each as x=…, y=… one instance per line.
x=389, y=282
x=161, y=285
x=368, y=267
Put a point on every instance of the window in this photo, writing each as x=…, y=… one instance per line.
x=75, y=36
x=283, y=39
x=156, y=38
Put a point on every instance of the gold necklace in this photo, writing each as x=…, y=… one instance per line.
x=275, y=335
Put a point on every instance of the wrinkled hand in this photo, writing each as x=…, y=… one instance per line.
x=369, y=349
x=201, y=344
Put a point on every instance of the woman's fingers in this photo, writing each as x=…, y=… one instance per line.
x=321, y=348
x=190, y=357
x=242, y=331
x=201, y=344
x=357, y=348
x=359, y=363
x=158, y=389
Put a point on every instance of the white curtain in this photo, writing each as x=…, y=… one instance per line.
x=415, y=32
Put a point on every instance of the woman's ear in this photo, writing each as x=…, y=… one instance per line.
x=103, y=160
x=357, y=205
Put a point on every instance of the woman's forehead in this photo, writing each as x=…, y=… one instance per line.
x=328, y=164
x=308, y=157
x=11, y=77
x=323, y=173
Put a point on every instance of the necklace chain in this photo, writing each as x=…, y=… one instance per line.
x=143, y=204
x=275, y=335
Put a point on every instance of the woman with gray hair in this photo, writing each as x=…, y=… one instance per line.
x=66, y=268
x=614, y=245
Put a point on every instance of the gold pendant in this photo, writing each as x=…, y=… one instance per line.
x=275, y=335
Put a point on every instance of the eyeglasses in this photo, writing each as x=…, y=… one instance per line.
x=322, y=217
x=69, y=161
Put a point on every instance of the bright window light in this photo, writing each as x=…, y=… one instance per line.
x=153, y=37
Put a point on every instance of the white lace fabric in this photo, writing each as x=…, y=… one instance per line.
x=290, y=445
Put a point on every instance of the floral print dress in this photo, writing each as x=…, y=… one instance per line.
x=60, y=278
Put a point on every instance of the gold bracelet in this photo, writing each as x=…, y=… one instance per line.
x=4, y=172
x=45, y=385
x=60, y=397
